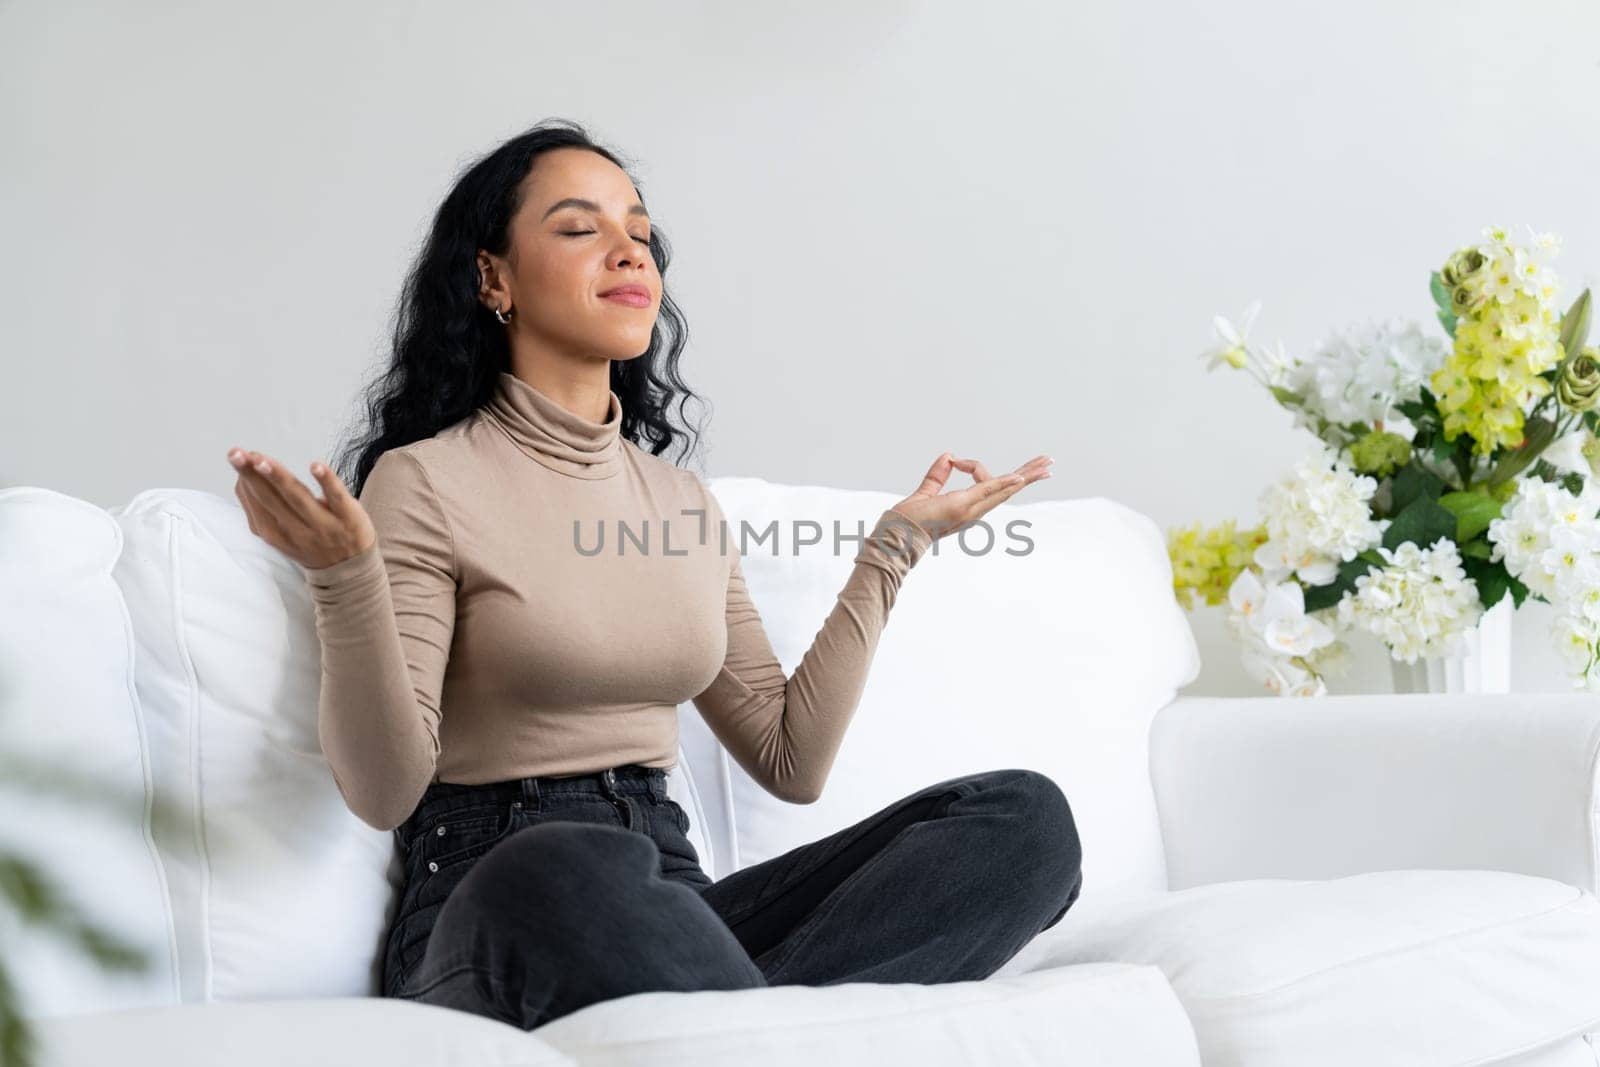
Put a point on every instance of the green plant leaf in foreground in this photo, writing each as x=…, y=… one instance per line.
x=28, y=893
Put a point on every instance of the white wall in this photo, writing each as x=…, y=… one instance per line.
x=899, y=227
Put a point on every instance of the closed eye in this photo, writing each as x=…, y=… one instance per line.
x=580, y=233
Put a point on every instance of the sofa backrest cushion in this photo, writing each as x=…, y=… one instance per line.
x=279, y=890
x=1052, y=650
x=76, y=784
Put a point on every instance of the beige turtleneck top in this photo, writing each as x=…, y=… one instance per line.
x=542, y=596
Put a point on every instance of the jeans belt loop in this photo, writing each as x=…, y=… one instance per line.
x=530, y=796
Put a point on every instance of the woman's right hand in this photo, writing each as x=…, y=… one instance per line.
x=312, y=531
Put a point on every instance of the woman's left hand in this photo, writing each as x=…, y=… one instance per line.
x=943, y=513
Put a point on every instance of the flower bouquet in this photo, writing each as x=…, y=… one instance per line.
x=1450, y=472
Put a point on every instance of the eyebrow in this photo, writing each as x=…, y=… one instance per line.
x=588, y=205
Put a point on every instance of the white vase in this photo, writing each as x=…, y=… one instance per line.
x=1483, y=667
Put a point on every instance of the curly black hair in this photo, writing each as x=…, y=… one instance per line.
x=447, y=348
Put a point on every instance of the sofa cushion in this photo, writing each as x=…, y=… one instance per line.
x=1386, y=968
x=326, y=1032
x=1106, y=1014
x=69, y=718
x=279, y=890
x=1052, y=650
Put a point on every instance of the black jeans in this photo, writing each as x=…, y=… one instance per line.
x=525, y=900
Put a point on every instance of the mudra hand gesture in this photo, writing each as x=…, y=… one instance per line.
x=943, y=513
x=313, y=531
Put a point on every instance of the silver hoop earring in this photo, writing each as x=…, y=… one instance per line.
x=502, y=317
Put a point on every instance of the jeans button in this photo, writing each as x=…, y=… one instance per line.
x=610, y=776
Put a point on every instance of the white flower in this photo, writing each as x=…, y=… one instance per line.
x=1549, y=539
x=1233, y=343
x=1570, y=560
x=1275, y=364
x=1333, y=658
x=1543, y=535
x=1360, y=373
x=1316, y=517
x=1575, y=637
x=1282, y=675
x=1421, y=603
x=1267, y=365
x=1275, y=633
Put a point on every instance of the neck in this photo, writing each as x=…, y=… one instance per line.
x=583, y=388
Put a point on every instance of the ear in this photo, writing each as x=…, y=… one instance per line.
x=493, y=291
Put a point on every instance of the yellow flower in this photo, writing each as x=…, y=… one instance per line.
x=1507, y=337
x=1205, y=562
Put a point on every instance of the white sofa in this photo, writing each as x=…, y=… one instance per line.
x=1378, y=880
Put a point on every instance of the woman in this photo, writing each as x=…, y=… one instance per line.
x=500, y=687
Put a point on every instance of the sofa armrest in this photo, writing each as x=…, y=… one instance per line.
x=1322, y=787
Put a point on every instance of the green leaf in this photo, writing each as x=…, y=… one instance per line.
x=1572, y=482
x=1537, y=433
x=1494, y=582
x=1412, y=481
x=1414, y=410
x=1575, y=324
x=1318, y=597
x=1287, y=397
x=1478, y=549
x=1421, y=522
x=1474, y=510
x=1441, y=293
x=1462, y=458
x=1443, y=450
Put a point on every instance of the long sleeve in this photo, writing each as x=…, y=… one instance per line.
x=786, y=731
x=385, y=618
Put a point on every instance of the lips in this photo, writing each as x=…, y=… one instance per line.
x=633, y=296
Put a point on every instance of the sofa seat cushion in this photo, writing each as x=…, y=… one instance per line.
x=1391, y=967
x=304, y=1032
x=1106, y=1014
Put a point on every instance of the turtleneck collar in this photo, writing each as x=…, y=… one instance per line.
x=554, y=436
